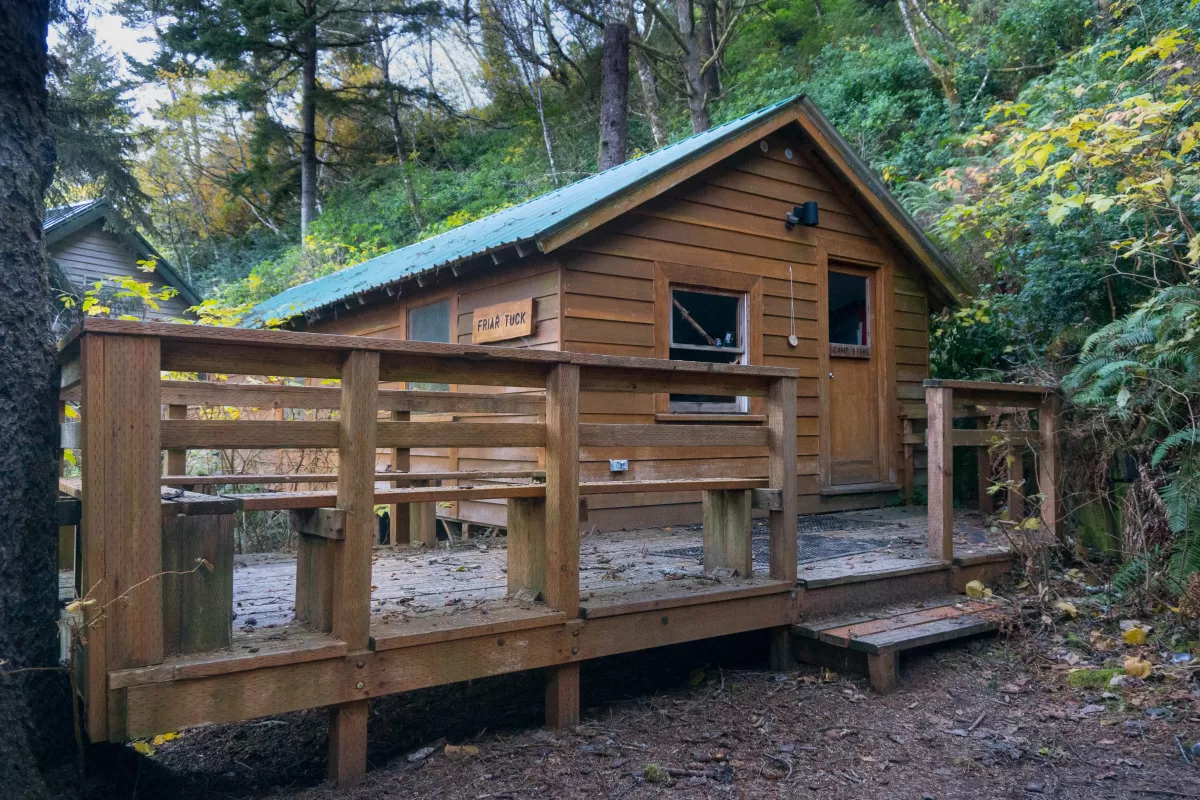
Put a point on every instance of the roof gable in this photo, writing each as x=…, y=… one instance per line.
x=62, y=221
x=551, y=220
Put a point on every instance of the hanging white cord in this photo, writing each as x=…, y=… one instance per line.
x=793, y=340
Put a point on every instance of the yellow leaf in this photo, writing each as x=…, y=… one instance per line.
x=975, y=590
x=1137, y=667
x=1066, y=608
x=461, y=751
x=1134, y=636
x=143, y=748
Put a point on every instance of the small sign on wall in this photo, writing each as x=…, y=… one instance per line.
x=503, y=321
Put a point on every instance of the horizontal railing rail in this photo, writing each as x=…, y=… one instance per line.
x=947, y=400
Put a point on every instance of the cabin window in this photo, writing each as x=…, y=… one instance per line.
x=849, y=316
x=429, y=323
x=711, y=327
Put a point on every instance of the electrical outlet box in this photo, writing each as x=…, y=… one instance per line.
x=618, y=464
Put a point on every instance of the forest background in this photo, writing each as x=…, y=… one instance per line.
x=1049, y=146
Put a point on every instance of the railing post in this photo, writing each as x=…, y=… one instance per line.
x=122, y=512
x=177, y=459
x=1050, y=464
x=1014, y=460
x=727, y=535
x=400, y=529
x=983, y=458
x=939, y=443
x=910, y=477
x=351, y=586
x=781, y=473
x=562, y=530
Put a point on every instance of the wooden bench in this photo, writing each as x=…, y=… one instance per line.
x=880, y=635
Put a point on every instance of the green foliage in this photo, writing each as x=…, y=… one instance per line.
x=1091, y=678
x=977, y=340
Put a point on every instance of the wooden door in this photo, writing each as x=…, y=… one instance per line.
x=853, y=424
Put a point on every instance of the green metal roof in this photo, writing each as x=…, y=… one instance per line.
x=530, y=221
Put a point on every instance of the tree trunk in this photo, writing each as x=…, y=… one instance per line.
x=697, y=97
x=308, y=133
x=614, y=103
x=943, y=75
x=650, y=105
x=708, y=37
x=28, y=413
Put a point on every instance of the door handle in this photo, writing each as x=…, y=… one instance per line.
x=831, y=374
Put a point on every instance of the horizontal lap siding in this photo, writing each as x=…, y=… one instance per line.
x=912, y=350
x=93, y=254
x=536, y=278
x=729, y=218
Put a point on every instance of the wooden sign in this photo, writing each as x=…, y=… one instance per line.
x=849, y=351
x=503, y=321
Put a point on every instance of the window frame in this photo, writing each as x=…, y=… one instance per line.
x=449, y=300
x=739, y=404
x=842, y=350
x=668, y=275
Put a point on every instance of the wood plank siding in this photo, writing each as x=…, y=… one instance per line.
x=604, y=293
x=92, y=254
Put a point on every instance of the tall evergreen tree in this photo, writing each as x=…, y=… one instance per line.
x=92, y=120
x=285, y=41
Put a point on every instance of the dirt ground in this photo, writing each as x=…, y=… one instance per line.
x=994, y=718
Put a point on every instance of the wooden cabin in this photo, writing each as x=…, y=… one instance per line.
x=86, y=248
x=763, y=241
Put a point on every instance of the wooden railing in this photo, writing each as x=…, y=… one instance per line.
x=944, y=401
x=132, y=542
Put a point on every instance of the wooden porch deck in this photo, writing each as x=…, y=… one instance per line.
x=160, y=652
x=412, y=585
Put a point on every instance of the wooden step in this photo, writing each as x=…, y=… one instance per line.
x=880, y=635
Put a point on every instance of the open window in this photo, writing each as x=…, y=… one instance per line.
x=849, y=316
x=430, y=323
x=708, y=326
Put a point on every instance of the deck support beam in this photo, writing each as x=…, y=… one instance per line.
x=782, y=523
x=939, y=438
x=562, y=696
x=562, y=530
x=348, y=743
x=883, y=670
x=351, y=585
x=727, y=537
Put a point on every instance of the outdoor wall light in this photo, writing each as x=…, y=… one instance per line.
x=803, y=214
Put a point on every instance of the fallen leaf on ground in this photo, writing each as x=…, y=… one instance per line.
x=1065, y=607
x=461, y=751
x=1134, y=636
x=1137, y=667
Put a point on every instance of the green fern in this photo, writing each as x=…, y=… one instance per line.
x=1130, y=577
x=1190, y=436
